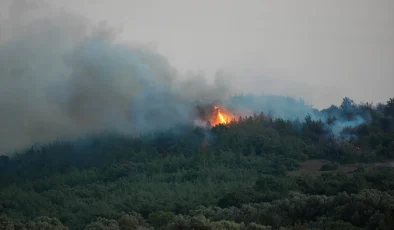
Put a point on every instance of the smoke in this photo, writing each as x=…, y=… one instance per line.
x=61, y=77
x=276, y=106
x=338, y=126
x=336, y=119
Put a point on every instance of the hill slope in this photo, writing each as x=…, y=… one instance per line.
x=241, y=177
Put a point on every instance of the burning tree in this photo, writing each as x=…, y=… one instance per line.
x=214, y=114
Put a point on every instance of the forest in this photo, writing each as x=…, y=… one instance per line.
x=246, y=174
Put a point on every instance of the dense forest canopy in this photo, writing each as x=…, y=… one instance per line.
x=241, y=174
x=100, y=132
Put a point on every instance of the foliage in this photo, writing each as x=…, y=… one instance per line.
x=240, y=180
x=328, y=166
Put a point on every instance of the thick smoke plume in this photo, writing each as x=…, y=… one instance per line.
x=62, y=78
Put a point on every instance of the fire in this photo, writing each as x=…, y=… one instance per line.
x=213, y=114
x=220, y=116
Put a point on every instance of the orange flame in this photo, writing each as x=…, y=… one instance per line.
x=221, y=117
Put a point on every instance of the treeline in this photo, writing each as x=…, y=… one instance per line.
x=367, y=209
x=229, y=177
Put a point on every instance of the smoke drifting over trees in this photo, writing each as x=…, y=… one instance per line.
x=265, y=162
x=61, y=77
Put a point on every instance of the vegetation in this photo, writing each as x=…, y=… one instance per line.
x=239, y=180
x=329, y=166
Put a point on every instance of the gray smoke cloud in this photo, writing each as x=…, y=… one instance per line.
x=61, y=77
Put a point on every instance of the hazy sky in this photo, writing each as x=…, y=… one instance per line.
x=319, y=50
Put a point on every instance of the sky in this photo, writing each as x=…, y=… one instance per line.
x=320, y=51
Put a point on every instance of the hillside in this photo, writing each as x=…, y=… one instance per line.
x=251, y=173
